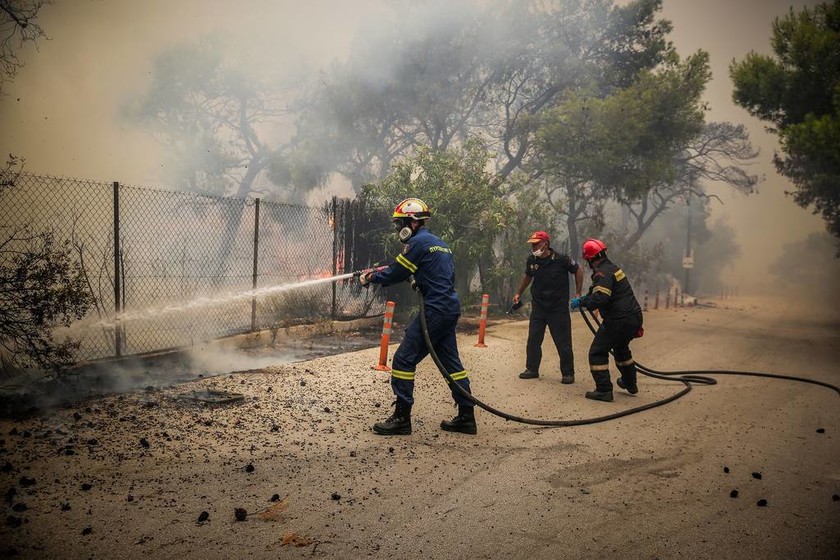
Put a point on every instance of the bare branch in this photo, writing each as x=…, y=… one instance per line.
x=18, y=25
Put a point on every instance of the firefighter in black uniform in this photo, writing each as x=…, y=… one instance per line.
x=550, y=272
x=621, y=316
x=429, y=260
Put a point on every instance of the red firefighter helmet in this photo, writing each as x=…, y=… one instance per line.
x=591, y=248
x=413, y=208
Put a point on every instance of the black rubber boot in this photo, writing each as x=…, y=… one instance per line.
x=605, y=396
x=627, y=381
x=398, y=424
x=603, y=387
x=463, y=423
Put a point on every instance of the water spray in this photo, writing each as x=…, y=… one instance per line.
x=202, y=302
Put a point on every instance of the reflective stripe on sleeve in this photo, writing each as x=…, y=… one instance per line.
x=412, y=268
x=602, y=289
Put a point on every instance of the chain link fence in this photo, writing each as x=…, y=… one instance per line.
x=169, y=269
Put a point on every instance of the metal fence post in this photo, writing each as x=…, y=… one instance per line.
x=117, y=298
x=256, y=254
x=335, y=254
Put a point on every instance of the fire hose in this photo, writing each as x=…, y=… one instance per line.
x=687, y=377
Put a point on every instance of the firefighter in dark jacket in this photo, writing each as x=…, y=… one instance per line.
x=429, y=261
x=549, y=272
x=621, y=314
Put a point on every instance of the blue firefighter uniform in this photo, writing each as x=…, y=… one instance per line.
x=429, y=260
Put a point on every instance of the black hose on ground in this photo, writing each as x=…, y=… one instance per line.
x=686, y=377
x=693, y=376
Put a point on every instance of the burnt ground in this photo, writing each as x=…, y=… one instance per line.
x=288, y=467
x=33, y=395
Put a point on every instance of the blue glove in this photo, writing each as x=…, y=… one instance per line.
x=575, y=303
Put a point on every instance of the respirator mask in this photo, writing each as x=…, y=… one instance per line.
x=403, y=228
x=541, y=251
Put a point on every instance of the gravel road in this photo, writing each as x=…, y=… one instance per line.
x=747, y=468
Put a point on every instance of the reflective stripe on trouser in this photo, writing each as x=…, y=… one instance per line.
x=559, y=323
x=628, y=372
x=412, y=350
x=615, y=335
x=627, y=368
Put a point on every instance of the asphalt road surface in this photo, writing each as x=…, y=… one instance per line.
x=158, y=474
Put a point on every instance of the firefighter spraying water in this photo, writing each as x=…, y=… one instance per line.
x=427, y=262
x=427, y=259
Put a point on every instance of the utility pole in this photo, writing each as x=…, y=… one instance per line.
x=688, y=259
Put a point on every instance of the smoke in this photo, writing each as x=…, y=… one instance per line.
x=800, y=272
x=62, y=113
x=32, y=391
x=764, y=222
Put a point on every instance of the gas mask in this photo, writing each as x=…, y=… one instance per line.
x=403, y=229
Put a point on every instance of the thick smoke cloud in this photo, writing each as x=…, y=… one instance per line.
x=62, y=112
x=765, y=222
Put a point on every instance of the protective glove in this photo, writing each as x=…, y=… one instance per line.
x=414, y=285
x=364, y=279
x=575, y=303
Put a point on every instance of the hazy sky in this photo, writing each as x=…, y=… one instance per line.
x=61, y=112
x=729, y=29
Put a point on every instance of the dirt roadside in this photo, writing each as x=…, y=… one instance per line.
x=129, y=476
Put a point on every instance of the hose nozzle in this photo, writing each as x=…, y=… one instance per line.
x=358, y=273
